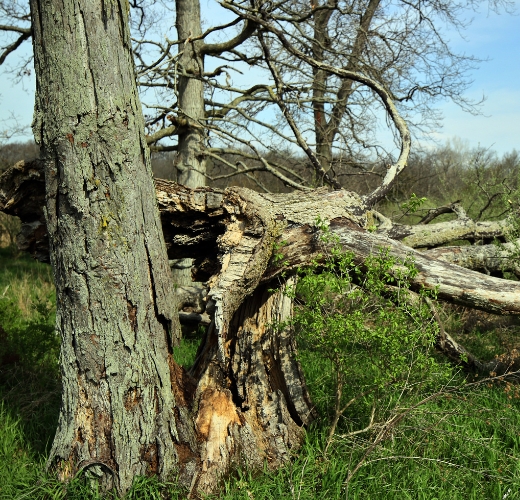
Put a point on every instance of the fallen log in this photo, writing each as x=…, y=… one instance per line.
x=231, y=234
x=243, y=365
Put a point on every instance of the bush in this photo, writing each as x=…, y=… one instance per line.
x=376, y=335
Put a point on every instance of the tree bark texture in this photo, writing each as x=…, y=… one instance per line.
x=115, y=299
x=441, y=233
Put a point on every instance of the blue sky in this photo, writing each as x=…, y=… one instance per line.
x=491, y=36
x=496, y=38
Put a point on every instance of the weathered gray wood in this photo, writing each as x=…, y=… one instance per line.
x=441, y=233
x=487, y=259
x=296, y=216
x=195, y=220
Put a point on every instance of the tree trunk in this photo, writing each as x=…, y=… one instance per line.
x=251, y=402
x=127, y=408
x=115, y=300
x=190, y=161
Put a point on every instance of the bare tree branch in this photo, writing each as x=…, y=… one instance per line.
x=12, y=47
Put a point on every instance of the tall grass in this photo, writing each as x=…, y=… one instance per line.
x=464, y=443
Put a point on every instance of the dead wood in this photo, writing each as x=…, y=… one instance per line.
x=231, y=233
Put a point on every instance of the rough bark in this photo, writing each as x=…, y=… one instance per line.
x=115, y=300
x=490, y=259
x=441, y=233
x=127, y=408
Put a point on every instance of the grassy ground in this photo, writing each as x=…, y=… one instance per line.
x=462, y=444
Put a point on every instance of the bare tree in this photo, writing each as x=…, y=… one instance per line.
x=200, y=102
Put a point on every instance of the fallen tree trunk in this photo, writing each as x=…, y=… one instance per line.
x=231, y=234
x=245, y=393
x=489, y=259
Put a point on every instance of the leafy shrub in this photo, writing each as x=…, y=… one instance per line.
x=375, y=334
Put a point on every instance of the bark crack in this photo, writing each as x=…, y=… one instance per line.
x=83, y=29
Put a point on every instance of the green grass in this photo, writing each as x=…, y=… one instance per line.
x=465, y=447
x=463, y=444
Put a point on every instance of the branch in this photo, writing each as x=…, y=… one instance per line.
x=434, y=235
x=161, y=134
x=218, y=48
x=243, y=154
x=487, y=259
x=247, y=95
x=179, y=122
x=278, y=98
x=346, y=87
x=454, y=207
x=17, y=29
x=505, y=364
x=14, y=45
x=451, y=283
x=393, y=170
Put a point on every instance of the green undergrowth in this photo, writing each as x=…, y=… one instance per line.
x=29, y=374
x=461, y=443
